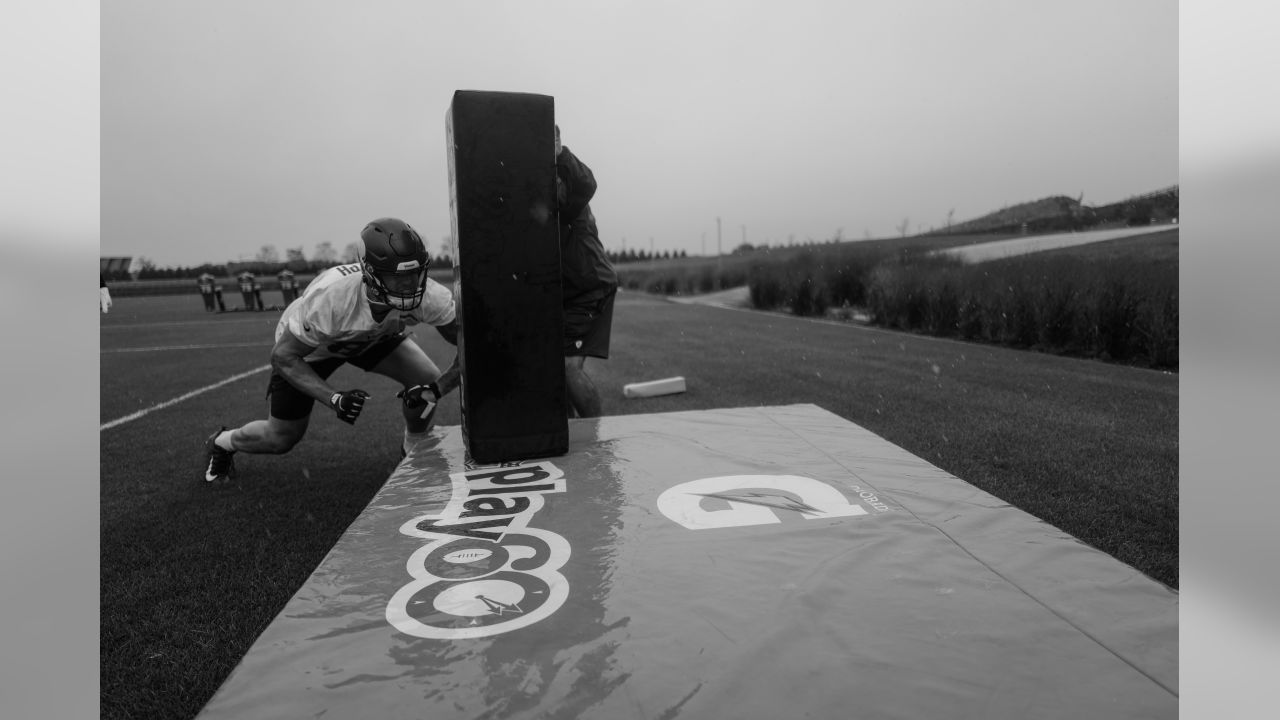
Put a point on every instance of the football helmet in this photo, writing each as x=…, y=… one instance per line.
x=394, y=263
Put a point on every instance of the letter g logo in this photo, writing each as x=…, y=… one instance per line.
x=753, y=500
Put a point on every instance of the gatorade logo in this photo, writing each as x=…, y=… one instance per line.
x=485, y=571
x=758, y=500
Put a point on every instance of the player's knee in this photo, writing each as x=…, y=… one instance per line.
x=282, y=440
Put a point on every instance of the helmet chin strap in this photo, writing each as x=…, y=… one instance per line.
x=373, y=294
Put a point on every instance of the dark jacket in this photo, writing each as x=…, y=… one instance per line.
x=586, y=273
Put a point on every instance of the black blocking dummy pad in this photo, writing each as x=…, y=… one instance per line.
x=501, y=148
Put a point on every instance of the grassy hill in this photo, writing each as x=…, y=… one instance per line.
x=1059, y=212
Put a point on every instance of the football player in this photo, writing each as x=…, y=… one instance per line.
x=104, y=295
x=360, y=313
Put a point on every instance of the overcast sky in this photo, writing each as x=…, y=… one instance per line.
x=231, y=125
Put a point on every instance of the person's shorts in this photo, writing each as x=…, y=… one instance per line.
x=290, y=403
x=587, y=327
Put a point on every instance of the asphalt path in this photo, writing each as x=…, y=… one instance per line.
x=996, y=250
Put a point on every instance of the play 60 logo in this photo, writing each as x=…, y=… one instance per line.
x=485, y=570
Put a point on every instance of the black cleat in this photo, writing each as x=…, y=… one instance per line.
x=219, y=464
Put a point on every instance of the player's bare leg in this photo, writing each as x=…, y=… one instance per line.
x=271, y=436
x=584, y=398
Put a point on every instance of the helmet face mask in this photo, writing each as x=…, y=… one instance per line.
x=394, y=263
x=402, y=290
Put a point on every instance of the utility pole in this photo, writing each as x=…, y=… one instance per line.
x=719, y=248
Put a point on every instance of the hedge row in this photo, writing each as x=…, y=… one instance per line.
x=1123, y=311
x=809, y=283
x=1118, y=310
x=699, y=279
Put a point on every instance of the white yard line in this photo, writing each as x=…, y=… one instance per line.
x=180, y=398
x=187, y=347
x=173, y=323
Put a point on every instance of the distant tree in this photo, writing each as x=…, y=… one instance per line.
x=325, y=255
x=683, y=254
x=146, y=269
x=295, y=259
x=268, y=254
x=1139, y=213
x=950, y=214
x=743, y=249
x=903, y=226
x=351, y=253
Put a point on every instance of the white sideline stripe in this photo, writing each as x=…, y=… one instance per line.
x=173, y=323
x=180, y=398
x=187, y=347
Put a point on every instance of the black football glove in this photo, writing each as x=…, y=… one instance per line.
x=421, y=398
x=348, y=404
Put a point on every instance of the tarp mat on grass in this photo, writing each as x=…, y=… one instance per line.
x=773, y=562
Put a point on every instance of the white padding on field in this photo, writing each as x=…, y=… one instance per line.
x=774, y=562
x=654, y=388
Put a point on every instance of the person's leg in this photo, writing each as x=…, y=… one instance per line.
x=409, y=365
x=587, y=330
x=288, y=415
x=287, y=419
x=274, y=436
x=584, y=398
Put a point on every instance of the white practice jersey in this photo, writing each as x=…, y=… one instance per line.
x=333, y=314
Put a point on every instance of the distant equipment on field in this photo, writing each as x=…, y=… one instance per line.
x=654, y=388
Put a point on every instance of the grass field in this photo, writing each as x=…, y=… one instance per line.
x=191, y=574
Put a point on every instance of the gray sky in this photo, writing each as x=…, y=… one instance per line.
x=234, y=124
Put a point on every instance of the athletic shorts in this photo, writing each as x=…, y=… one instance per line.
x=290, y=403
x=587, y=327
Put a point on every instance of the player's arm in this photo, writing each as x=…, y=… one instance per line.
x=288, y=358
x=450, y=378
x=449, y=331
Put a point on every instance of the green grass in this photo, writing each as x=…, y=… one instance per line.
x=192, y=574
